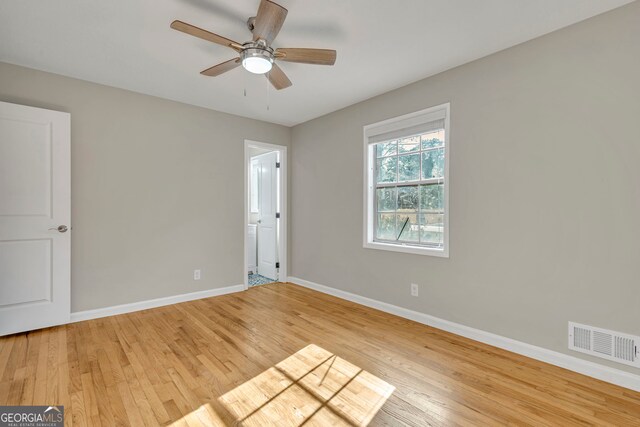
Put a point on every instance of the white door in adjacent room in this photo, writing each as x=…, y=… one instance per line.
x=35, y=213
x=268, y=207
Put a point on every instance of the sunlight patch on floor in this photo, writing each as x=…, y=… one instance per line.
x=203, y=416
x=311, y=387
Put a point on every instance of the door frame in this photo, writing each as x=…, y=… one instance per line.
x=282, y=208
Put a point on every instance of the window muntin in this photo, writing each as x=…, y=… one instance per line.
x=409, y=205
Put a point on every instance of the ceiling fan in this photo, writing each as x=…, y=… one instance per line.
x=257, y=56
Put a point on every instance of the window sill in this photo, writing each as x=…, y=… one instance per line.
x=442, y=253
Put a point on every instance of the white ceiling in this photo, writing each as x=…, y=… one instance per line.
x=381, y=45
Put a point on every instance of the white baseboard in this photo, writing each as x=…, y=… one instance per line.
x=79, y=316
x=585, y=367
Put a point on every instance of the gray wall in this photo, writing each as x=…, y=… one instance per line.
x=157, y=188
x=545, y=190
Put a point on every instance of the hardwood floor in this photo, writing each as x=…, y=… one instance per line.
x=283, y=354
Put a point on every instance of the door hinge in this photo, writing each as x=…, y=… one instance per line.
x=278, y=215
x=277, y=164
x=277, y=265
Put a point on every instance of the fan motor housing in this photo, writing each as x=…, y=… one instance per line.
x=256, y=51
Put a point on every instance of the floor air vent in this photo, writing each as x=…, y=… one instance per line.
x=603, y=343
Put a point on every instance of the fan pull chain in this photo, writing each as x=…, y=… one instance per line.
x=244, y=82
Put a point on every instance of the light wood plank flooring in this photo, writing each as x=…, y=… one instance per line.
x=281, y=354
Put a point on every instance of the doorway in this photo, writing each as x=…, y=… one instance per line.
x=265, y=213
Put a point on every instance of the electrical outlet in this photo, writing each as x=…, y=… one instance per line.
x=414, y=290
x=196, y=274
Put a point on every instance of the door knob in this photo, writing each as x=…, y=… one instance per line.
x=61, y=228
x=259, y=221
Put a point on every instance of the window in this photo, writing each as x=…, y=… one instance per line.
x=406, y=180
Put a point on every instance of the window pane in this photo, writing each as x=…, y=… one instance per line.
x=432, y=197
x=432, y=229
x=408, y=198
x=409, y=167
x=432, y=139
x=408, y=228
x=386, y=227
x=408, y=145
x=387, y=169
x=385, y=149
x=386, y=199
x=433, y=164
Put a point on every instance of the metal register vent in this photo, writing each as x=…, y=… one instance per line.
x=611, y=345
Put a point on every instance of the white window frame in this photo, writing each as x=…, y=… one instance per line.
x=398, y=124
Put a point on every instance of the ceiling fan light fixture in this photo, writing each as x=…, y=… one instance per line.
x=257, y=60
x=256, y=55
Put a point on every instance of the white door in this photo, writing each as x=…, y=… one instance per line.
x=35, y=242
x=268, y=207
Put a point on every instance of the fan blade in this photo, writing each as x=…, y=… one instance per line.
x=278, y=78
x=205, y=35
x=223, y=67
x=307, y=56
x=268, y=21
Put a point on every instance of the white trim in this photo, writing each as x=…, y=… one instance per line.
x=585, y=367
x=409, y=249
x=284, y=219
x=79, y=316
x=427, y=114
